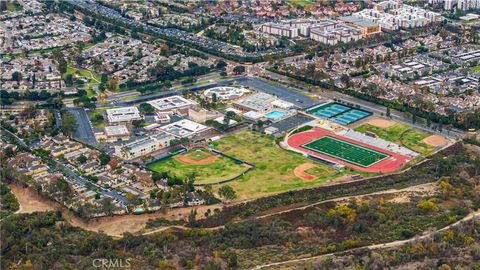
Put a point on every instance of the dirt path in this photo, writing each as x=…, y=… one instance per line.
x=30, y=201
x=393, y=244
x=422, y=189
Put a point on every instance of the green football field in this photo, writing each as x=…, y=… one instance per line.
x=346, y=151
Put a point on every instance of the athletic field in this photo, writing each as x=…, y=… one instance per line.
x=346, y=151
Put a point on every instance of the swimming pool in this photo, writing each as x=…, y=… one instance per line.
x=274, y=115
x=340, y=113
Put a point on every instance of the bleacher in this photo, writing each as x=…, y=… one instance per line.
x=358, y=136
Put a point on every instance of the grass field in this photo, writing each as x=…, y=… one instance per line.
x=222, y=169
x=301, y=3
x=92, y=115
x=401, y=134
x=198, y=154
x=476, y=68
x=274, y=166
x=346, y=151
x=91, y=77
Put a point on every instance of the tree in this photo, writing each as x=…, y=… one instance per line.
x=414, y=118
x=69, y=123
x=227, y=192
x=146, y=108
x=69, y=80
x=104, y=158
x=113, y=163
x=108, y=206
x=82, y=159
x=239, y=69
x=427, y=206
x=221, y=64
x=388, y=112
x=104, y=78
x=16, y=76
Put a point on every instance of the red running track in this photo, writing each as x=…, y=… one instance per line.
x=391, y=164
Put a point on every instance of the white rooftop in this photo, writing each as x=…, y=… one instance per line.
x=124, y=114
x=184, y=128
x=283, y=104
x=253, y=115
x=116, y=130
x=225, y=92
x=169, y=103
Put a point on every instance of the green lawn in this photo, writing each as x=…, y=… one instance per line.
x=91, y=77
x=274, y=166
x=92, y=115
x=401, y=134
x=477, y=68
x=346, y=151
x=198, y=154
x=222, y=169
x=14, y=6
x=301, y=3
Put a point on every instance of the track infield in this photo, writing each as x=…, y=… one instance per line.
x=346, y=151
x=377, y=162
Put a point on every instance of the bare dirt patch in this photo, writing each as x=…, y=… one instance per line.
x=117, y=225
x=299, y=171
x=203, y=161
x=30, y=201
x=381, y=123
x=435, y=140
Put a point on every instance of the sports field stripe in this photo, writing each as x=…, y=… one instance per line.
x=355, y=154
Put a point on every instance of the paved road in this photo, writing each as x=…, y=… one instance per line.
x=73, y=176
x=376, y=108
x=283, y=92
x=84, y=132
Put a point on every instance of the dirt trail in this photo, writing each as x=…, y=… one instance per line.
x=422, y=189
x=116, y=226
x=398, y=243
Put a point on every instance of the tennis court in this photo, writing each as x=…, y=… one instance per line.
x=346, y=151
x=339, y=113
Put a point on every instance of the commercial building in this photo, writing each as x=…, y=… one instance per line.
x=123, y=115
x=225, y=93
x=367, y=28
x=258, y=102
x=393, y=15
x=339, y=33
x=175, y=104
x=280, y=29
x=457, y=4
x=114, y=133
x=324, y=30
x=143, y=146
x=199, y=114
x=184, y=129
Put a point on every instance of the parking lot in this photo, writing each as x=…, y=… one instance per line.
x=84, y=130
